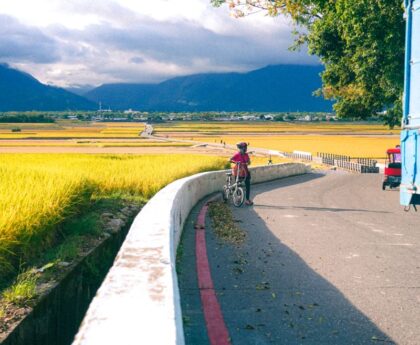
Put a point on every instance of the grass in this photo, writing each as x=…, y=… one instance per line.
x=22, y=290
x=224, y=225
x=40, y=192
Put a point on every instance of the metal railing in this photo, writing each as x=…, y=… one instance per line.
x=360, y=165
x=367, y=161
x=299, y=155
x=356, y=167
x=333, y=156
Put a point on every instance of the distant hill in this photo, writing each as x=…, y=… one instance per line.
x=80, y=89
x=273, y=88
x=20, y=91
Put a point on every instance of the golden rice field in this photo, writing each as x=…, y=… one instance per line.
x=353, y=139
x=38, y=191
x=271, y=127
x=145, y=143
x=71, y=129
x=74, y=129
x=351, y=145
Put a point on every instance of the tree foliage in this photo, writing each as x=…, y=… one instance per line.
x=24, y=118
x=360, y=42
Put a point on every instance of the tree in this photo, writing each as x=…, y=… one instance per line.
x=360, y=43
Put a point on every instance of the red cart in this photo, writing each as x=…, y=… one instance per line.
x=392, y=172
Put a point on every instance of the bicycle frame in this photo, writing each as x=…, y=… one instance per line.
x=238, y=181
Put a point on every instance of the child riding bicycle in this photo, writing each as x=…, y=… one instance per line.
x=242, y=169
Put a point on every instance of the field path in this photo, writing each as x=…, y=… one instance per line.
x=329, y=259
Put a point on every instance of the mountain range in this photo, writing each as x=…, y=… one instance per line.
x=272, y=88
x=20, y=91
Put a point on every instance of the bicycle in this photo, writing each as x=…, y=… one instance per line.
x=235, y=190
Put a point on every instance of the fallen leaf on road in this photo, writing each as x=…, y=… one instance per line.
x=374, y=338
x=238, y=270
x=263, y=286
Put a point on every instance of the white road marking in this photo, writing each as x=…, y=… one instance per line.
x=393, y=244
x=352, y=256
x=400, y=244
x=364, y=223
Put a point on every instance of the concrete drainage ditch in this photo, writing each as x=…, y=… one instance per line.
x=62, y=304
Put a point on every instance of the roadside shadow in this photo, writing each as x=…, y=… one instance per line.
x=301, y=179
x=270, y=295
x=288, y=181
x=312, y=208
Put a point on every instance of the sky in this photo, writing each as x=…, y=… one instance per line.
x=72, y=43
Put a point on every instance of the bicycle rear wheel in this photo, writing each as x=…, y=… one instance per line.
x=238, y=197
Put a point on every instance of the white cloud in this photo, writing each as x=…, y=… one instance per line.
x=99, y=41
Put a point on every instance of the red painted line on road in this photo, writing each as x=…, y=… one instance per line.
x=203, y=269
x=201, y=220
x=216, y=327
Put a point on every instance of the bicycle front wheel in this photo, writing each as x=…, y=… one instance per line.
x=225, y=194
x=238, y=197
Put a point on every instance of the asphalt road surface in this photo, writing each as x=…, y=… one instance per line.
x=328, y=259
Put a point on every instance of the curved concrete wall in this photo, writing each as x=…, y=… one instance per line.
x=138, y=302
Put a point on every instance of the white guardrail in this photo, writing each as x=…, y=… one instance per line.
x=139, y=302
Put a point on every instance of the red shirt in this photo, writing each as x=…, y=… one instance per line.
x=241, y=158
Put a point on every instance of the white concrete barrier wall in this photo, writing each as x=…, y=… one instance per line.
x=138, y=302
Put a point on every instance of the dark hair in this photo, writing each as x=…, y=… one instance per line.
x=242, y=145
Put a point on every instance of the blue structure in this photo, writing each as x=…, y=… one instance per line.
x=410, y=135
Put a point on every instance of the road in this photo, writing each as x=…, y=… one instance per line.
x=329, y=259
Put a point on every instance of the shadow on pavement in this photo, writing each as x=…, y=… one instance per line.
x=301, y=179
x=269, y=295
x=311, y=208
x=288, y=181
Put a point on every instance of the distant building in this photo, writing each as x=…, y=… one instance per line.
x=103, y=110
x=266, y=117
x=249, y=118
x=131, y=111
